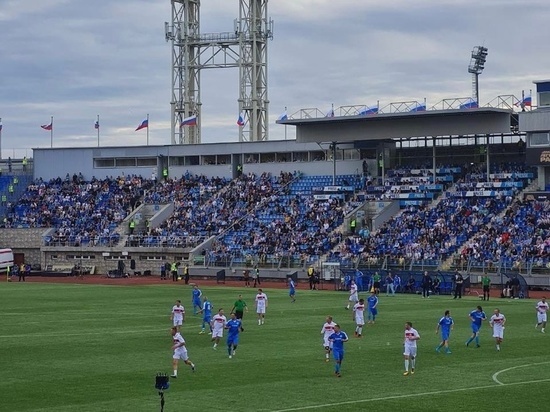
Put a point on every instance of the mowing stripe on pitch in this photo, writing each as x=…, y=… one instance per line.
x=405, y=396
x=62, y=334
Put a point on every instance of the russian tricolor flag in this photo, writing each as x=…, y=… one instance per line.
x=47, y=126
x=189, y=121
x=527, y=101
x=144, y=124
x=240, y=120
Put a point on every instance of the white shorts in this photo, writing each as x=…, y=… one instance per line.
x=498, y=332
x=541, y=317
x=410, y=351
x=217, y=333
x=181, y=353
x=260, y=309
x=178, y=322
x=327, y=343
x=354, y=298
x=360, y=320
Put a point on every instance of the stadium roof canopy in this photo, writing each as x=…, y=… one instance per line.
x=381, y=126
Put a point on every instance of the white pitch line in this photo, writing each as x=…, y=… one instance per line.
x=405, y=396
x=495, y=375
x=61, y=334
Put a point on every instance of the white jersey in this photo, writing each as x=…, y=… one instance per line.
x=177, y=312
x=353, y=293
x=359, y=311
x=542, y=307
x=327, y=330
x=411, y=336
x=261, y=300
x=218, y=322
x=181, y=351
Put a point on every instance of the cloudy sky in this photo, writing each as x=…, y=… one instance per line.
x=75, y=59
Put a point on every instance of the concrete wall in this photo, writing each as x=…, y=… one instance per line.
x=26, y=241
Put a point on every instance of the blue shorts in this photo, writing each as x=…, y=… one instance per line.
x=291, y=292
x=207, y=319
x=475, y=328
x=197, y=303
x=445, y=335
x=233, y=340
x=373, y=311
x=338, y=355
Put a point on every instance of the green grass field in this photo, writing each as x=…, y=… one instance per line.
x=98, y=348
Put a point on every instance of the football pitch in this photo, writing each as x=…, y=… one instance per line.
x=66, y=347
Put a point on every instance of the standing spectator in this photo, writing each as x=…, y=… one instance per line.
x=132, y=226
x=390, y=285
x=246, y=277
x=352, y=225
x=163, y=271
x=459, y=280
x=311, y=277
x=514, y=283
x=180, y=352
x=24, y=162
x=497, y=322
x=21, y=272
x=256, y=276
x=174, y=271
x=446, y=325
x=426, y=285
x=261, y=306
x=486, y=284
x=186, y=273
x=233, y=326
x=397, y=283
x=542, y=307
x=337, y=339
x=9, y=164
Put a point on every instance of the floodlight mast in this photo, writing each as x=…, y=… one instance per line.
x=244, y=48
x=477, y=64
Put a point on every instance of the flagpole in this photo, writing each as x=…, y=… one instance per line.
x=147, y=129
x=1, y=138
x=51, y=132
x=98, y=126
x=285, y=124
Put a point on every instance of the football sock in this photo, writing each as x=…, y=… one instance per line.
x=359, y=331
x=175, y=372
x=413, y=363
x=326, y=355
x=229, y=350
x=406, y=364
x=469, y=341
x=477, y=340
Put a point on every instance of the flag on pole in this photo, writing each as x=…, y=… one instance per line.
x=144, y=125
x=240, y=120
x=96, y=125
x=419, y=108
x=471, y=104
x=330, y=113
x=526, y=101
x=189, y=121
x=0, y=125
x=47, y=126
x=282, y=117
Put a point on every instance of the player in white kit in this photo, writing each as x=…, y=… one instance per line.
x=180, y=352
x=409, y=352
x=542, y=308
x=497, y=322
x=326, y=331
x=218, y=324
x=359, y=312
x=178, y=312
x=261, y=305
x=353, y=297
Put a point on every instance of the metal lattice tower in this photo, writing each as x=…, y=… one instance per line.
x=245, y=48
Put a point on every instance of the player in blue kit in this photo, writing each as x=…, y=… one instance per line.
x=446, y=325
x=338, y=338
x=372, y=304
x=196, y=298
x=476, y=316
x=234, y=327
x=206, y=314
x=292, y=290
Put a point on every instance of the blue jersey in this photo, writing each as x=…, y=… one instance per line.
x=337, y=339
x=477, y=317
x=196, y=295
x=445, y=323
x=291, y=286
x=207, y=309
x=233, y=327
x=372, y=301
